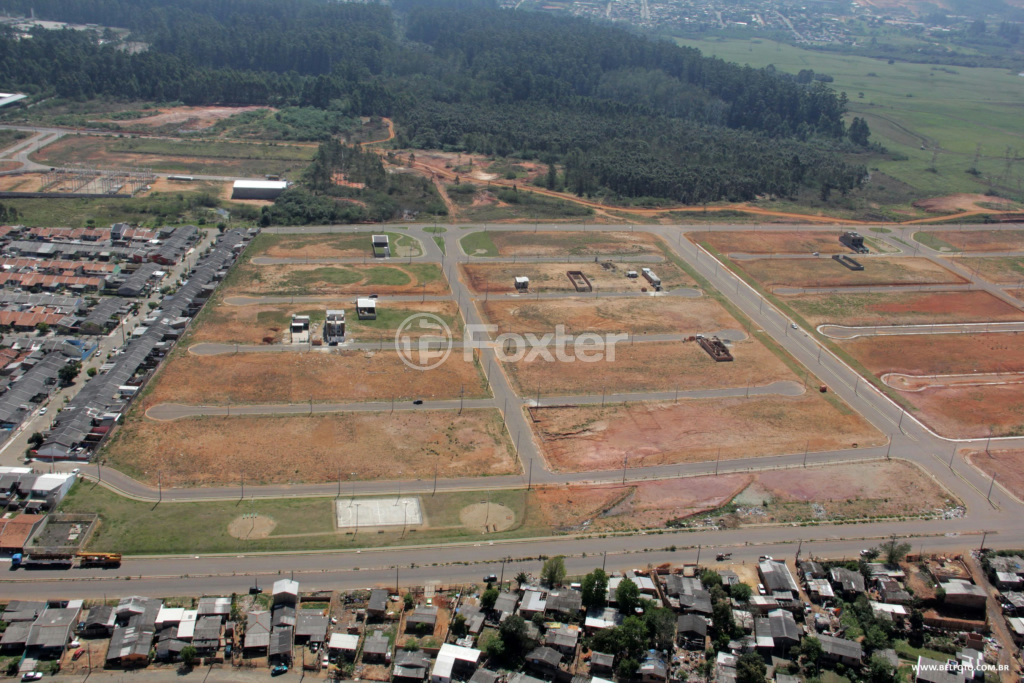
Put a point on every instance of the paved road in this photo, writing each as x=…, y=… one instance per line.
x=846, y=332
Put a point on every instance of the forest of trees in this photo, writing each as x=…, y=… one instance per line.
x=624, y=114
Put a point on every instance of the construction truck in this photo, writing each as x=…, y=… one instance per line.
x=42, y=560
x=98, y=559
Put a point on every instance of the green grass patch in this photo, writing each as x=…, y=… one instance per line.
x=435, y=229
x=439, y=241
x=907, y=651
x=9, y=137
x=315, y=605
x=479, y=244
x=214, y=149
x=136, y=528
x=929, y=239
x=157, y=209
x=300, y=279
x=389, y=319
x=883, y=231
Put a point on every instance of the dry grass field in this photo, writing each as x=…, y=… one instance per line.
x=567, y=243
x=1003, y=270
x=279, y=450
x=1006, y=465
x=773, y=241
x=499, y=278
x=298, y=377
x=827, y=272
x=650, y=315
x=650, y=366
x=980, y=240
x=227, y=324
x=903, y=308
x=589, y=438
x=337, y=280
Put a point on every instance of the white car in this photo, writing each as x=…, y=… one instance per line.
x=42, y=411
x=32, y=676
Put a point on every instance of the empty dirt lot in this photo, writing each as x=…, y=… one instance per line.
x=903, y=308
x=562, y=243
x=589, y=438
x=1007, y=465
x=650, y=366
x=981, y=240
x=1005, y=270
x=643, y=315
x=773, y=241
x=227, y=324
x=940, y=354
x=852, y=491
x=331, y=280
x=827, y=272
x=321, y=376
x=198, y=451
x=499, y=278
x=962, y=412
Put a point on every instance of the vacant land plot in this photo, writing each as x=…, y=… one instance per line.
x=588, y=438
x=330, y=245
x=940, y=354
x=183, y=118
x=973, y=240
x=643, y=315
x=268, y=450
x=561, y=243
x=773, y=241
x=1007, y=270
x=176, y=156
x=853, y=491
x=1006, y=465
x=252, y=324
x=994, y=405
x=651, y=366
x=827, y=272
x=972, y=411
x=319, y=376
x=332, y=280
x=499, y=278
x=903, y=308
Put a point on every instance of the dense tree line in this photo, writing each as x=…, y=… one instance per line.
x=622, y=112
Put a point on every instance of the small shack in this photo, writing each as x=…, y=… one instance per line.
x=366, y=309
x=258, y=189
x=381, y=246
x=522, y=283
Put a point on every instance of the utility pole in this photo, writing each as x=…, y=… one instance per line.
x=437, y=463
x=160, y=486
x=625, y=460
x=529, y=482
x=718, y=459
x=991, y=486
x=807, y=447
x=698, y=557
x=243, y=485
x=951, y=457
x=984, y=535
x=604, y=560
x=887, y=450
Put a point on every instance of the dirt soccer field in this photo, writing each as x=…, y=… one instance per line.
x=332, y=280
x=854, y=491
x=1007, y=465
x=1004, y=270
x=651, y=366
x=227, y=324
x=588, y=438
x=643, y=315
x=266, y=450
x=565, y=243
x=773, y=241
x=330, y=245
x=323, y=377
x=903, y=308
x=827, y=272
x=499, y=278
x=980, y=240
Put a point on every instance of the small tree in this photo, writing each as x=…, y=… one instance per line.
x=741, y=592
x=409, y=601
x=42, y=329
x=594, y=589
x=811, y=650
x=553, y=572
x=489, y=597
x=458, y=626
x=412, y=645
x=627, y=669
x=881, y=670
x=896, y=552
x=92, y=372
x=522, y=578
x=751, y=669
x=514, y=635
x=68, y=372
x=627, y=595
x=710, y=578
x=36, y=440
x=188, y=656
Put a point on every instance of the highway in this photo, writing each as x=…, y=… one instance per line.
x=996, y=513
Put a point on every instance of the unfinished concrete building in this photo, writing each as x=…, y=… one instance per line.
x=334, y=327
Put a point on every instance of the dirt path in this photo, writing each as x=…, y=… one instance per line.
x=452, y=209
x=391, y=133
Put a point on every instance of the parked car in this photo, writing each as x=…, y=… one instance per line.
x=490, y=578
x=418, y=402
x=32, y=676
x=278, y=670
x=78, y=653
